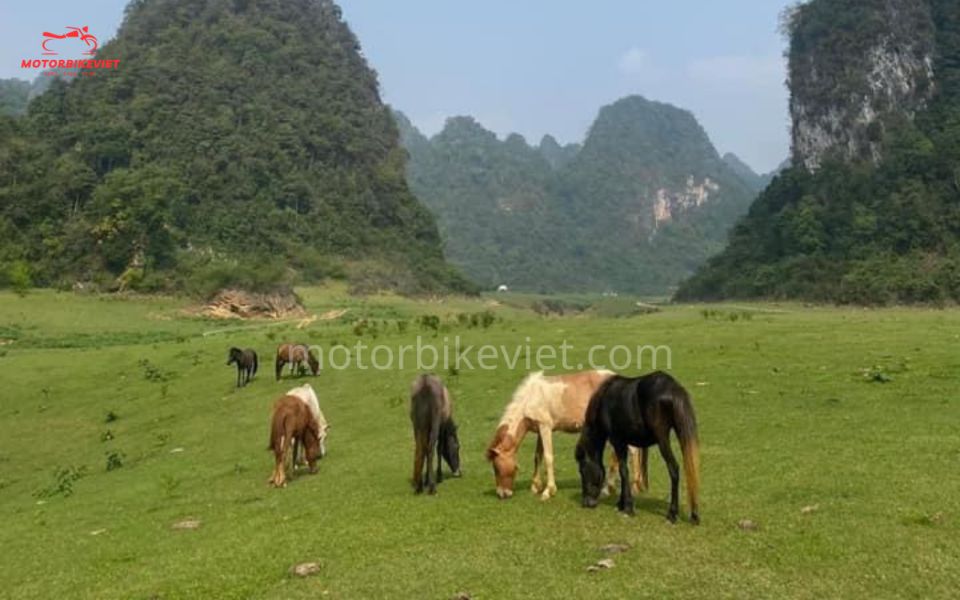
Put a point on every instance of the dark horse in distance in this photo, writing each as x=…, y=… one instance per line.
x=246, y=361
x=431, y=412
x=640, y=411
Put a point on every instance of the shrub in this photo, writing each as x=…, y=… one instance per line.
x=19, y=276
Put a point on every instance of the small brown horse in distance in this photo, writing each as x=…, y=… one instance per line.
x=431, y=412
x=292, y=422
x=295, y=355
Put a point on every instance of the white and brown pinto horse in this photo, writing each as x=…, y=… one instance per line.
x=291, y=423
x=309, y=397
x=544, y=404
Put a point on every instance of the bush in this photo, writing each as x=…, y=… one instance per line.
x=19, y=277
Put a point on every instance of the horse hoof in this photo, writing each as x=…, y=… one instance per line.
x=536, y=488
x=695, y=518
x=672, y=517
x=432, y=491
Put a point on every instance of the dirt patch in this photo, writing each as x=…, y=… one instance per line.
x=238, y=304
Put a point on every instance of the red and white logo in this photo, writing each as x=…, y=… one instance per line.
x=69, y=42
x=81, y=33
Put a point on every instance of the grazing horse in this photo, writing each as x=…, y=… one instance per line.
x=640, y=411
x=292, y=422
x=431, y=412
x=295, y=355
x=309, y=397
x=246, y=361
x=542, y=404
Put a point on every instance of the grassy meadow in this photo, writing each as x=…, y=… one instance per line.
x=835, y=431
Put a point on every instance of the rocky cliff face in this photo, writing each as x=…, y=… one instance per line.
x=842, y=107
x=868, y=211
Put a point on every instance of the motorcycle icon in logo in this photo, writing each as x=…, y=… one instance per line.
x=72, y=32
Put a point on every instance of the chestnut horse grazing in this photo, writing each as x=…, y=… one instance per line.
x=640, y=411
x=292, y=422
x=296, y=355
x=542, y=404
x=309, y=397
x=431, y=412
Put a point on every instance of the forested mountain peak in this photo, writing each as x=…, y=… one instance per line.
x=647, y=186
x=235, y=132
x=870, y=210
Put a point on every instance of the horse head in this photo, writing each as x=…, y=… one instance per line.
x=502, y=454
x=592, y=476
x=450, y=446
x=234, y=356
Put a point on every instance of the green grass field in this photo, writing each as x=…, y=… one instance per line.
x=849, y=411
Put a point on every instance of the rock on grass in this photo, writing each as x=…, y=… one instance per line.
x=306, y=569
x=601, y=565
x=187, y=524
x=747, y=525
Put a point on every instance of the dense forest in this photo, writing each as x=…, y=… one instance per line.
x=871, y=212
x=240, y=143
x=643, y=202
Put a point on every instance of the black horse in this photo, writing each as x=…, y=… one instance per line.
x=431, y=412
x=640, y=411
x=246, y=361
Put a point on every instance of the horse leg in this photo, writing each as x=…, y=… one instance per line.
x=644, y=476
x=674, y=469
x=431, y=448
x=279, y=368
x=537, y=485
x=611, y=483
x=546, y=436
x=625, y=504
x=418, y=457
x=636, y=479
x=439, y=463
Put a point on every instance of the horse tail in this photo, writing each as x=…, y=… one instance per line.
x=256, y=363
x=685, y=422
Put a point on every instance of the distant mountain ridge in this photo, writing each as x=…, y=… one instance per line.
x=641, y=203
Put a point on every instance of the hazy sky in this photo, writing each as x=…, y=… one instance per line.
x=535, y=66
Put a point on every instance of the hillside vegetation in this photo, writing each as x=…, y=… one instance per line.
x=871, y=212
x=239, y=140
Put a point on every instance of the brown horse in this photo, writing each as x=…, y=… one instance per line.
x=295, y=355
x=431, y=412
x=292, y=422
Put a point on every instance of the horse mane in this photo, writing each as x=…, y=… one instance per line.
x=308, y=396
x=530, y=385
